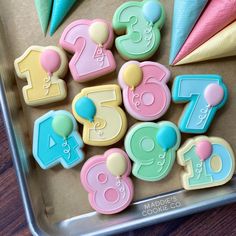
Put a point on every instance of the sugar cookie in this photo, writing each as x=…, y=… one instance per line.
x=152, y=147
x=145, y=93
x=139, y=25
x=43, y=68
x=90, y=42
x=56, y=140
x=97, y=108
x=205, y=94
x=105, y=178
x=208, y=162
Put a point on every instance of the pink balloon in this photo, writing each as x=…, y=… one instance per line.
x=214, y=94
x=50, y=61
x=203, y=150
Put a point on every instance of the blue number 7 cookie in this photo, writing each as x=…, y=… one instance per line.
x=56, y=140
x=205, y=94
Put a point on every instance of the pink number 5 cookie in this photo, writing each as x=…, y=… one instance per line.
x=105, y=178
x=145, y=93
x=89, y=41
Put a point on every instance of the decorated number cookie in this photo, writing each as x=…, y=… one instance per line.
x=90, y=42
x=145, y=93
x=97, y=108
x=105, y=178
x=42, y=67
x=208, y=162
x=205, y=94
x=152, y=147
x=139, y=23
x=56, y=140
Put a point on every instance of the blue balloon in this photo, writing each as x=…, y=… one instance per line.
x=152, y=11
x=85, y=108
x=166, y=137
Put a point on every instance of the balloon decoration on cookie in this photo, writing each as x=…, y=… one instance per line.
x=207, y=161
x=90, y=41
x=206, y=94
x=50, y=61
x=105, y=178
x=146, y=95
x=56, y=140
x=152, y=11
x=138, y=25
x=97, y=108
x=43, y=68
x=152, y=147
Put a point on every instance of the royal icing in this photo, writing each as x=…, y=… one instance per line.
x=208, y=162
x=97, y=108
x=145, y=93
x=56, y=140
x=205, y=94
x=59, y=11
x=139, y=25
x=152, y=147
x=44, y=9
x=43, y=68
x=90, y=42
x=105, y=178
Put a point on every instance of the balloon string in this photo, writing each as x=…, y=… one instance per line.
x=67, y=148
x=96, y=127
x=47, y=84
x=163, y=158
x=99, y=55
x=136, y=103
x=120, y=186
x=148, y=34
x=203, y=115
x=199, y=169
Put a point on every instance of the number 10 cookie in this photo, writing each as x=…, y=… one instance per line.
x=208, y=162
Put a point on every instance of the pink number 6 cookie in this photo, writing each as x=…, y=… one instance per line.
x=145, y=93
x=105, y=178
x=89, y=41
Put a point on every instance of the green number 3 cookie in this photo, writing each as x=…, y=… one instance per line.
x=152, y=147
x=141, y=23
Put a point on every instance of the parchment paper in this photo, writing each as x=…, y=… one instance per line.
x=62, y=192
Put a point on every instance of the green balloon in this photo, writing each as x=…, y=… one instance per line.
x=62, y=125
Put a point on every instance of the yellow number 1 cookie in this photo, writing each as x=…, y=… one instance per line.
x=42, y=67
x=97, y=108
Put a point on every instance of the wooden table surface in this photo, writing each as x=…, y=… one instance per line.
x=220, y=221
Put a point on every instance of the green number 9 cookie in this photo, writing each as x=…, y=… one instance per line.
x=139, y=23
x=152, y=147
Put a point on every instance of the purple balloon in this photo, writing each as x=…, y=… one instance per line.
x=213, y=94
x=50, y=61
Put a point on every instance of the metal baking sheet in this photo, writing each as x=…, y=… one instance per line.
x=55, y=202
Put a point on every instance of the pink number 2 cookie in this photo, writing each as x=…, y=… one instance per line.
x=105, y=178
x=89, y=41
x=145, y=93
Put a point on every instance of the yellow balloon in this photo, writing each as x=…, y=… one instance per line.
x=132, y=75
x=116, y=164
x=99, y=32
